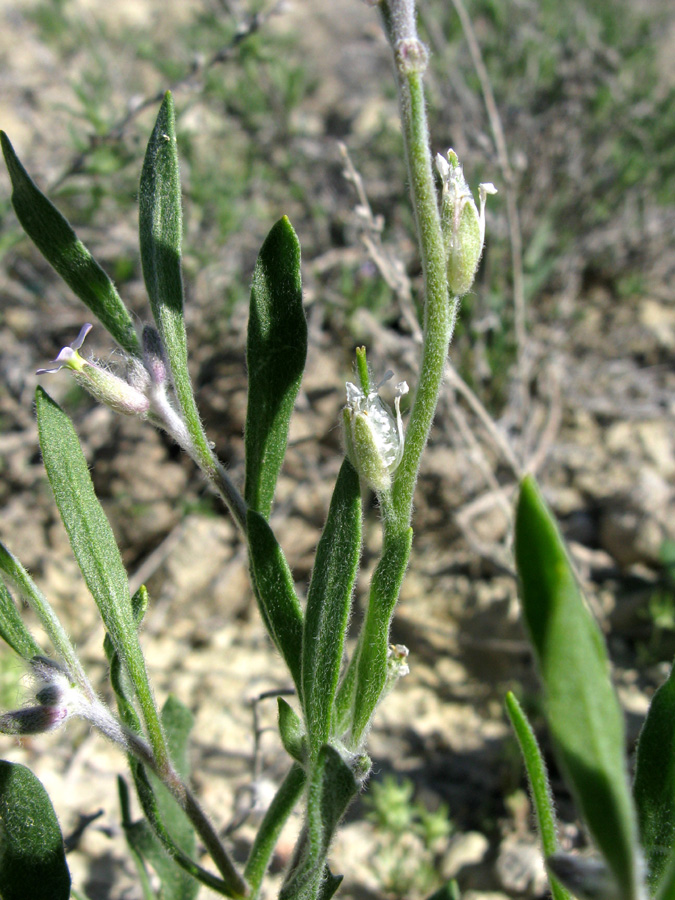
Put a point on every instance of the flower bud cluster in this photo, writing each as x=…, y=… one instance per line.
x=463, y=224
x=374, y=437
x=57, y=699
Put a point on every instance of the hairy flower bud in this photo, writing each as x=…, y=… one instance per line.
x=374, y=437
x=462, y=222
x=113, y=391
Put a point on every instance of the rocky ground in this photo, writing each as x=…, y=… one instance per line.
x=598, y=430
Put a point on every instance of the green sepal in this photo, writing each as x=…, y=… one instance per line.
x=12, y=628
x=329, y=603
x=331, y=788
x=582, y=709
x=292, y=732
x=32, y=856
x=540, y=788
x=276, y=350
x=57, y=242
x=275, y=593
x=654, y=785
x=161, y=235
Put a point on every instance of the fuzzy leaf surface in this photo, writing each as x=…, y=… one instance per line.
x=275, y=592
x=32, y=855
x=275, y=355
x=12, y=628
x=582, y=708
x=292, y=732
x=161, y=236
x=57, y=242
x=328, y=604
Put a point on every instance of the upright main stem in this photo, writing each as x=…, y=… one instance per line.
x=410, y=57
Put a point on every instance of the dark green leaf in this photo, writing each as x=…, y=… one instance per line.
x=32, y=857
x=88, y=529
x=127, y=825
x=58, y=243
x=13, y=630
x=292, y=731
x=161, y=235
x=654, y=786
x=331, y=789
x=448, y=891
x=275, y=355
x=582, y=709
x=329, y=603
x=275, y=592
x=539, y=786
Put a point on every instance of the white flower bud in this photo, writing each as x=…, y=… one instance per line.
x=374, y=436
x=463, y=223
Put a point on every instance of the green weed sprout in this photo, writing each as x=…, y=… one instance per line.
x=326, y=732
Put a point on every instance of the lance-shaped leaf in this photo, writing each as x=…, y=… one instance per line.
x=366, y=677
x=328, y=605
x=96, y=552
x=540, y=789
x=275, y=593
x=275, y=355
x=582, y=709
x=161, y=235
x=654, y=786
x=57, y=242
x=331, y=789
x=32, y=856
x=12, y=629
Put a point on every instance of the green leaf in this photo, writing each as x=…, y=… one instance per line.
x=12, y=629
x=161, y=235
x=654, y=785
x=270, y=828
x=366, y=677
x=275, y=592
x=331, y=788
x=58, y=243
x=328, y=605
x=88, y=529
x=275, y=354
x=32, y=856
x=666, y=889
x=582, y=708
x=447, y=891
x=127, y=826
x=292, y=731
x=539, y=786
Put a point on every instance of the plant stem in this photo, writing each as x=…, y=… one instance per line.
x=439, y=309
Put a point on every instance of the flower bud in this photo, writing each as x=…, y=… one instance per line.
x=463, y=224
x=113, y=391
x=374, y=437
x=153, y=355
x=32, y=719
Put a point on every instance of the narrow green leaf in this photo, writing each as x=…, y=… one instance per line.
x=161, y=235
x=447, y=891
x=96, y=552
x=331, y=789
x=270, y=828
x=666, y=889
x=366, y=677
x=654, y=785
x=539, y=787
x=292, y=732
x=582, y=708
x=88, y=529
x=12, y=629
x=139, y=862
x=275, y=355
x=32, y=856
x=328, y=605
x=275, y=592
x=58, y=243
